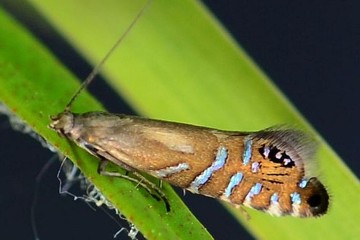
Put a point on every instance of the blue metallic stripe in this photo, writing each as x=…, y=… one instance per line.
x=247, y=150
x=219, y=162
x=274, y=207
x=256, y=189
x=234, y=181
x=295, y=198
x=274, y=199
x=266, y=152
x=255, y=166
x=168, y=171
x=303, y=183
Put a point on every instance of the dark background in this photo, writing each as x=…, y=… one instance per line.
x=311, y=51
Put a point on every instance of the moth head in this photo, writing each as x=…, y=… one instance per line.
x=62, y=123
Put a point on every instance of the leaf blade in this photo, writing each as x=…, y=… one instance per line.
x=210, y=105
x=33, y=85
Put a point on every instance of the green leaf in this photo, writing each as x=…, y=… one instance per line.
x=179, y=64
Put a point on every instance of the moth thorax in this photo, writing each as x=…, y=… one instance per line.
x=63, y=123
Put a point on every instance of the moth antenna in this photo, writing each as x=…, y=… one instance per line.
x=97, y=68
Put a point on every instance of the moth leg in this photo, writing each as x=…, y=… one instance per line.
x=155, y=188
x=139, y=180
x=101, y=170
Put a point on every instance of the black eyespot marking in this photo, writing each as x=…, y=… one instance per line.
x=275, y=155
x=319, y=200
x=314, y=200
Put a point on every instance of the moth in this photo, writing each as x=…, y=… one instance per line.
x=265, y=170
